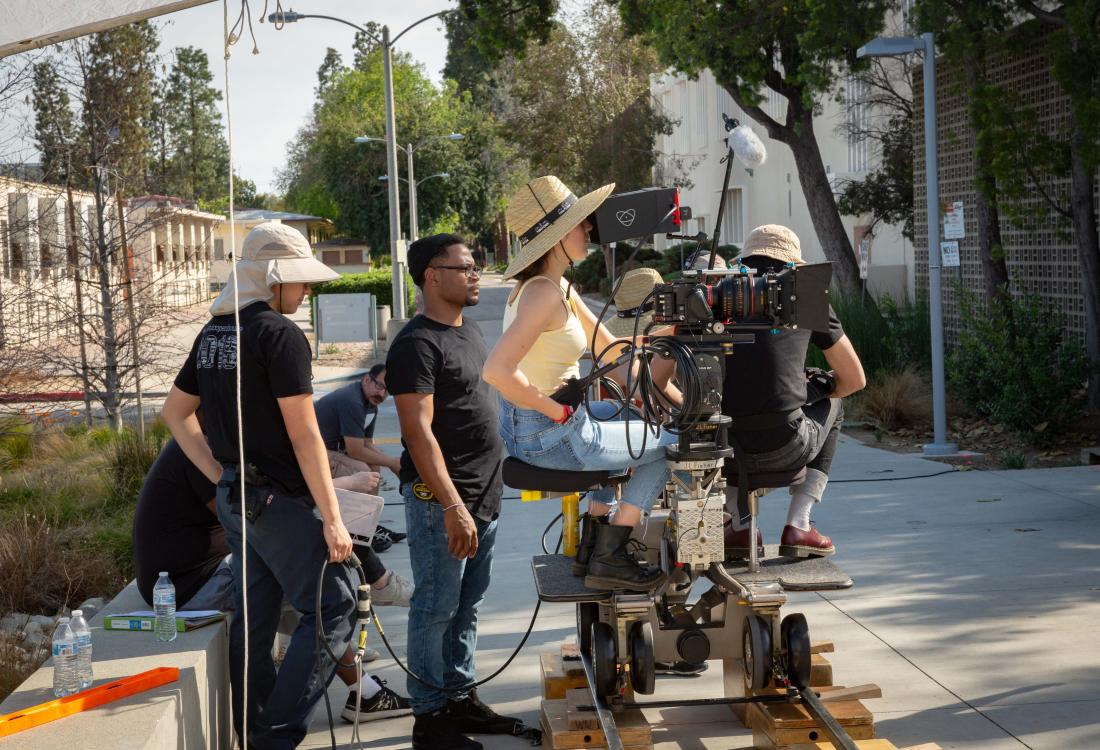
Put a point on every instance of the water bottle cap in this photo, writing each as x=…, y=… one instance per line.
x=164, y=574
x=78, y=613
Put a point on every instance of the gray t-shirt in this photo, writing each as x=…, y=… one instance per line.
x=345, y=413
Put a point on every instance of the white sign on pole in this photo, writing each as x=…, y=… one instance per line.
x=949, y=254
x=345, y=318
x=954, y=223
x=864, y=256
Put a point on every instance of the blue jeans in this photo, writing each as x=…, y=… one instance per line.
x=443, y=612
x=218, y=592
x=585, y=444
x=286, y=548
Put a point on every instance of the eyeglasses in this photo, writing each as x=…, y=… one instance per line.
x=470, y=271
x=379, y=386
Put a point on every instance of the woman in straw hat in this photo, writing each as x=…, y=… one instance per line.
x=546, y=330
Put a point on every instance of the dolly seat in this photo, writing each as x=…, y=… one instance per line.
x=523, y=476
x=770, y=479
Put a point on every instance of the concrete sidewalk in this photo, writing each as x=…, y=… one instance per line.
x=975, y=608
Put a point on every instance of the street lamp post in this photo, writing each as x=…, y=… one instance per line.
x=894, y=47
x=414, y=226
x=397, y=257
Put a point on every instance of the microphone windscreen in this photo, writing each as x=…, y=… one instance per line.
x=747, y=147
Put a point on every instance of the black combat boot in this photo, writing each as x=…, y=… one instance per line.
x=589, y=524
x=613, y=565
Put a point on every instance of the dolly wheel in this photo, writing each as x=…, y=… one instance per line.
x=587, y=613
x=756, y=644
x=604, y=660
x=796, y=642
x=642, y=669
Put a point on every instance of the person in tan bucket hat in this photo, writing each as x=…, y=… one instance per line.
x=294, y=521
x=546, y=330
x=767, y=378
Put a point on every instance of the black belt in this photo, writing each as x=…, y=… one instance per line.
x=758, y=422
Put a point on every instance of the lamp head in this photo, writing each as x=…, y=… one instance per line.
x=286, y=16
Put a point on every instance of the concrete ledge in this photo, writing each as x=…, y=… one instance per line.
x=191, y=713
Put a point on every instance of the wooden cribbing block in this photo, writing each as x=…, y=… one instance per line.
x=924, y=746
x=821, y=647
x=861, y=744
x=559, y=676
x=570, y=651
x=821, y=671
x=634, y=730
x=780, y=725
x=576, y=718
x=856, y=692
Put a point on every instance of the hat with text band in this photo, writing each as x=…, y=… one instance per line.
x=272, y=253
x=542, y=212
x=630, y=302
x=773, y=241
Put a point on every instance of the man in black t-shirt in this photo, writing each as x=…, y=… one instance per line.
x=294, y=522
x=346, y=418
x=768, y=377
x=450, y=479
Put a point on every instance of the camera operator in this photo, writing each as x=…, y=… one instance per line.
x=546, y=330
x=787, y=419
x=294, y=523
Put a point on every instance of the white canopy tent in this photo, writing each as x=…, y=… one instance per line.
x=30, y=24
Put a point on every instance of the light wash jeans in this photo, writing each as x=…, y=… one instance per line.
x=585, y=444
x=442, y=629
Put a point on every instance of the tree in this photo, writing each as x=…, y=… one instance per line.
x=200, y=159
x=54, y=124
x=796, y=48
x=330, y=68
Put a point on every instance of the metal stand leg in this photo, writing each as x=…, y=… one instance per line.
x=754, y=553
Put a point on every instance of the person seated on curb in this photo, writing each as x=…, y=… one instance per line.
x=546, y=330
x=346, y=418
x=768, y=377
x=177, y=530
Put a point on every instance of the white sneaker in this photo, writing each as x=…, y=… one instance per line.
x=370, y=654
x=396, y=593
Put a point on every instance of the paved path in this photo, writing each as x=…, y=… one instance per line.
x=975, y=606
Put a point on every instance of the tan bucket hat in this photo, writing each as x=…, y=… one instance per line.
x=773, y=241
x=272, y=253
x=542, y=212
x=635, y=287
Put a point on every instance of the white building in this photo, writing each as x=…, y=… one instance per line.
x=771, y=193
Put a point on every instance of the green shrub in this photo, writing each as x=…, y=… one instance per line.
x=1015, y=365
x=378, y=282
x=129, y=460
x=16, y=442
x=888, y=338
x=591, y=273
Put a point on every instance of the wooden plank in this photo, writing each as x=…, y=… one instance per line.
x=856, y=692
x=777, y=725
x=556, y=680
x=861, y=744
x=925, y=746
x=570, y=651
x=821, y=671
x=580, y=719
x=634, y=730
x=784, y=739
x=821, y=647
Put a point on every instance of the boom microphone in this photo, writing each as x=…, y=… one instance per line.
x=747, y=147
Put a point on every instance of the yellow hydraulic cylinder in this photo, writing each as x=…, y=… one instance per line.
x=570, y=530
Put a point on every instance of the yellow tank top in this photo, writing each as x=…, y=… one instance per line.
x=555, y=354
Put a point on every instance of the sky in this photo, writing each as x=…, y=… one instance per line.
x=271, y=93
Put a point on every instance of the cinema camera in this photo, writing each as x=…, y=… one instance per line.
x=698, y=321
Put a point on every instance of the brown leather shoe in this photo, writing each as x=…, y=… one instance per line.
x=799, y=543
x=737, y=543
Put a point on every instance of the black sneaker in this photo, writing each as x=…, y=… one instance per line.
x=393, y=536
x=385, y=704
x=473, y=716
x=380, y=543
x=438, y=731
x=679, y=668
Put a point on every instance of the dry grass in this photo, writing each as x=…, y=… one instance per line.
x=17, y=664
x=900, y=399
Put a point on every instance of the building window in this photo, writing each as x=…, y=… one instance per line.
x=858, y=122
x=5, y=260
x=219, y=249
x=733, y=219
x=699, y=92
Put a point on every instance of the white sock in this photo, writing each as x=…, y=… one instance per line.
x=368, y=688
x=803, y=496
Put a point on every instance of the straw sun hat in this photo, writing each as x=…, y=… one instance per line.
x=773, y=241
x=542, y=212
x=272, y=253
x=635, y=287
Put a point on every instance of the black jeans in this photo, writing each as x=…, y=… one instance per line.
x=373, y=567
x=813, y=444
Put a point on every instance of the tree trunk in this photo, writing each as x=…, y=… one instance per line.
x=1088, y=249
x=112, y=392
x=990, y=247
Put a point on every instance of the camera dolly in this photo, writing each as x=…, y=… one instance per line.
x=622, y=634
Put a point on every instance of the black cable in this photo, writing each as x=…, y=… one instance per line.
x=547, y=531
x=894, y=479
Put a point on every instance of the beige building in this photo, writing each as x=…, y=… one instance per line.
x=771, y=193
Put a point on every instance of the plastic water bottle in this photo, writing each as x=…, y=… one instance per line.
x=164, y=605
x=64, y=660
x=82, y=635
